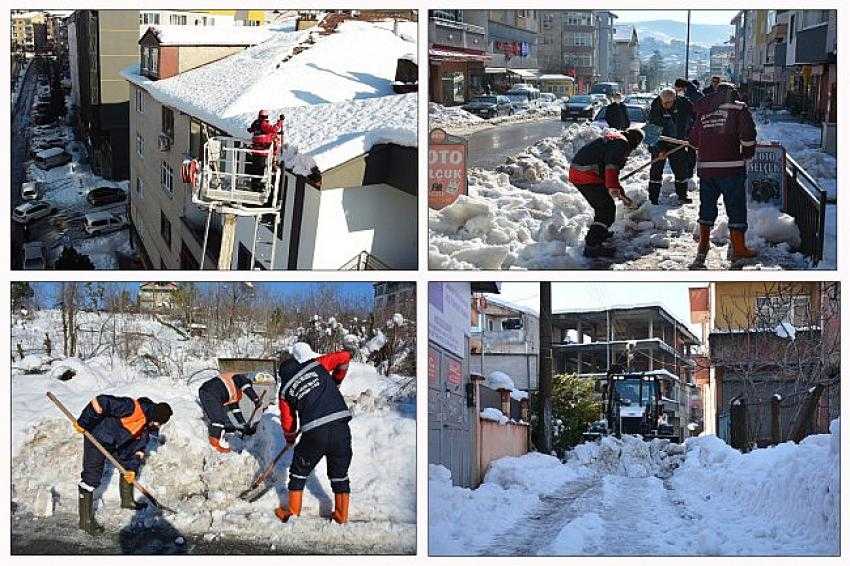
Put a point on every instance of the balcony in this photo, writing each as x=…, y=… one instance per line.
x=811, y=45
x=461, y=35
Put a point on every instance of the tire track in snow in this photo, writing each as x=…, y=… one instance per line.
x=544, y=522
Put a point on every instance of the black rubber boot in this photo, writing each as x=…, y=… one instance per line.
x=87, y=522
x=128, y=500
x=654, y=192
x=682, y=192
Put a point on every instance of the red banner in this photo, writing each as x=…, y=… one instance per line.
x=446, y=169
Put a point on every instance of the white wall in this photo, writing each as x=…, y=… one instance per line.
x=377, y=218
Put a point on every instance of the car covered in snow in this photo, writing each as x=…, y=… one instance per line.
x=519, y=102
x=50, y=158
x=637, y=116
x=489, y=106
x=640, y=98
x=101, y=196
x=103, y=222
x=548, y=97
x=35, y=255
x=33, y=210
x=30, y=190
x=579, y=106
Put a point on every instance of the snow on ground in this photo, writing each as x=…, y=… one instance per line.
x=186, y=473
x=336, y=93
x=456, y=120
x=525, y=215
x=630, y=497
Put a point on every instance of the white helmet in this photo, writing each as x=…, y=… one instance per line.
x=302, y=352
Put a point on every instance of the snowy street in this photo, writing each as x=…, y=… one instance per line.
x=523, y=214
x=490, y=148
x=632, y=497
x=182, y=469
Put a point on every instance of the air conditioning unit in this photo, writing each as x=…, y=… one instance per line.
x=164, y=142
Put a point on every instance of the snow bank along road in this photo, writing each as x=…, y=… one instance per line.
x=186, y=474
x=524, y=215
x=630, y=497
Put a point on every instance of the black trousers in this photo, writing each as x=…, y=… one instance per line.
x=94, y=460
x=680, y=163
x=218, y=415
x=256, y=165
x=604, y=209
x=331, y=441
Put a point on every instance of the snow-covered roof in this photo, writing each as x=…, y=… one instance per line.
x=623, y=32
x=556, y=77
x=336, y=94
x=502, y=302
x=209, y=35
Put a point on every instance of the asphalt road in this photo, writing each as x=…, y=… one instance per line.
x=489, y=148
x=20, y=123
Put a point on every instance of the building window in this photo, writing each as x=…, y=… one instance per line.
x=140, y=100
x=795, y=310
x=165, y=228
x=150, y=18
x=512, y=324
x=150, y=61
x=581, y=39
x=177, y=20
x=199, y=133
x=140, y=145
x=168, y=122
x=166, y=179
x=140, y=188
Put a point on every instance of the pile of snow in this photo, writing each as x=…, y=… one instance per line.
x=336, y=93
x=450, y=117
x=629, y=456
x=462, y=521
x=185, y=472
x=526, y=215
x=500, y=380
x=494, y=415
x=785, y=330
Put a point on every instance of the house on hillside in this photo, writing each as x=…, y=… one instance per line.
x=638, y=339
x=505, y=337
x=157, y=296
x=774, y=339
x=349, y=162
x=626, y=58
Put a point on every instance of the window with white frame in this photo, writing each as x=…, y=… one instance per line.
x=795, y=310
x=166, y=179
x=140, y=145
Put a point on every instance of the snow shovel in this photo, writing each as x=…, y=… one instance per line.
x=121, y=469
x=650, y=162
x=254, y=412
x=249, y=494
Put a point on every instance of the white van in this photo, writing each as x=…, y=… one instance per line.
x=29, y=190
x=102, y=222
x=50, y=158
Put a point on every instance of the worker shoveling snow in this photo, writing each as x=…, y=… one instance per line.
x=187, y=474
x=631, y=497
x=526, y=215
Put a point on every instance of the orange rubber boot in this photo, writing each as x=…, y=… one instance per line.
x=214, y=442
x=293, y=507
x=340, y=514
x=739, y=246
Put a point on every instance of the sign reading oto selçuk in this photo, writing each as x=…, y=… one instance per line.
x=766, y=173
x=446, y=168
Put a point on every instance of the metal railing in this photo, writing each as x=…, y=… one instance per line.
x=364, y=261
x=806, y=202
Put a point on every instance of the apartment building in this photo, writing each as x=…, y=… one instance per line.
x=626, y=69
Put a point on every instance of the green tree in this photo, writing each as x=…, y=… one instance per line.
x=575, y=405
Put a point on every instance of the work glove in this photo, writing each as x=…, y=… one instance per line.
x=140, y=456
x=290, y=438
x=250, y=430
x=129, y=477
x=281, y=117
x=78, y=428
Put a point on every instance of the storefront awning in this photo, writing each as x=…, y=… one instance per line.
x=447, y=55
x=524, y=73
x=495, y=70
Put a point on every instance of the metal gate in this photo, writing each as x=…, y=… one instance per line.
x=449, y=427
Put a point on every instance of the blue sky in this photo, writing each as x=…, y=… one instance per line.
x=48, y=291
x=722, y=17
x=672, y=296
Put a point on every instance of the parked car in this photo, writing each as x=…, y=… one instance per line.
x=96, y=223
x=35, y=255
x=50, y=158
x=30, y=190
x=105, y=195
x=640, y=98
x=519, y=102
x=579, y=106
x=548, y=97
x=637, y=116
x=606, y=88
x=489, y=106
x=525, y=89
x=33, y=210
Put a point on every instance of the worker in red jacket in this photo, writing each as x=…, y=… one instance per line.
x=309, y=393
x=725, y=137
x=264, y=138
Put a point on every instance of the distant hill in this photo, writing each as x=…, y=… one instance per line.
x=667, y=30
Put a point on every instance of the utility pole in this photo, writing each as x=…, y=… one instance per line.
x=688, y=46
x=546, y=367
